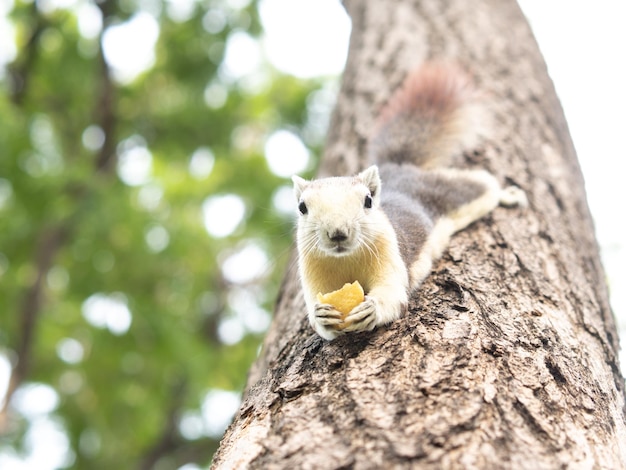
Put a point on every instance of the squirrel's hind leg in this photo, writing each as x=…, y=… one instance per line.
x=462, y=197
x=468, y=195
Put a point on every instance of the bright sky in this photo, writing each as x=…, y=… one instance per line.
x=583, y=43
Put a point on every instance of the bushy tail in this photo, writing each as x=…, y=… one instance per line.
x=430, y=118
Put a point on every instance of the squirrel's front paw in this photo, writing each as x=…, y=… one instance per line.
x=362, y=317
x=326, y=320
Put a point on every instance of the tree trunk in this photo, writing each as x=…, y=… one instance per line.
x=508, y=356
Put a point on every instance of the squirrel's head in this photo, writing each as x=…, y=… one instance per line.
x=336, y=216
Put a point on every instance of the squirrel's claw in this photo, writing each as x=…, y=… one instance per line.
x=327, y=316
x=362, y=317
x=326, y=321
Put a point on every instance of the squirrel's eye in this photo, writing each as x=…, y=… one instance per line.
x=302, y=208
x=368, y=202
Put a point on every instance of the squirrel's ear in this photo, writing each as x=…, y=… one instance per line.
x=299, y=184
x=371, y=179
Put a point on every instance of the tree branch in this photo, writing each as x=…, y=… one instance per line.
x=20, y=70
x=170, y=439
x=49, y=243
x=105, y=110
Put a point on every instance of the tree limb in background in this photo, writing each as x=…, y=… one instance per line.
x=170, y=439
x=21, y=69
x=49, y=243
x=105, y=111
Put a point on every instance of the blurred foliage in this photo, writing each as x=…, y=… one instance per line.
x=71, y=229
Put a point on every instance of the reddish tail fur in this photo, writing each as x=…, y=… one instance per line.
x=427, y=120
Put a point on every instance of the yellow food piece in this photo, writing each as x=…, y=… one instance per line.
x=344, y=299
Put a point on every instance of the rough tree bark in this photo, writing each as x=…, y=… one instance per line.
x=508, y=357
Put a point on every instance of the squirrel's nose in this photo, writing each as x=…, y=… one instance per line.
x=337, y=236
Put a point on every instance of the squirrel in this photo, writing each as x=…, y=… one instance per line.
x=387, y=225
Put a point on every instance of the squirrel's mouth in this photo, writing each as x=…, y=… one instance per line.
x=339, y=249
